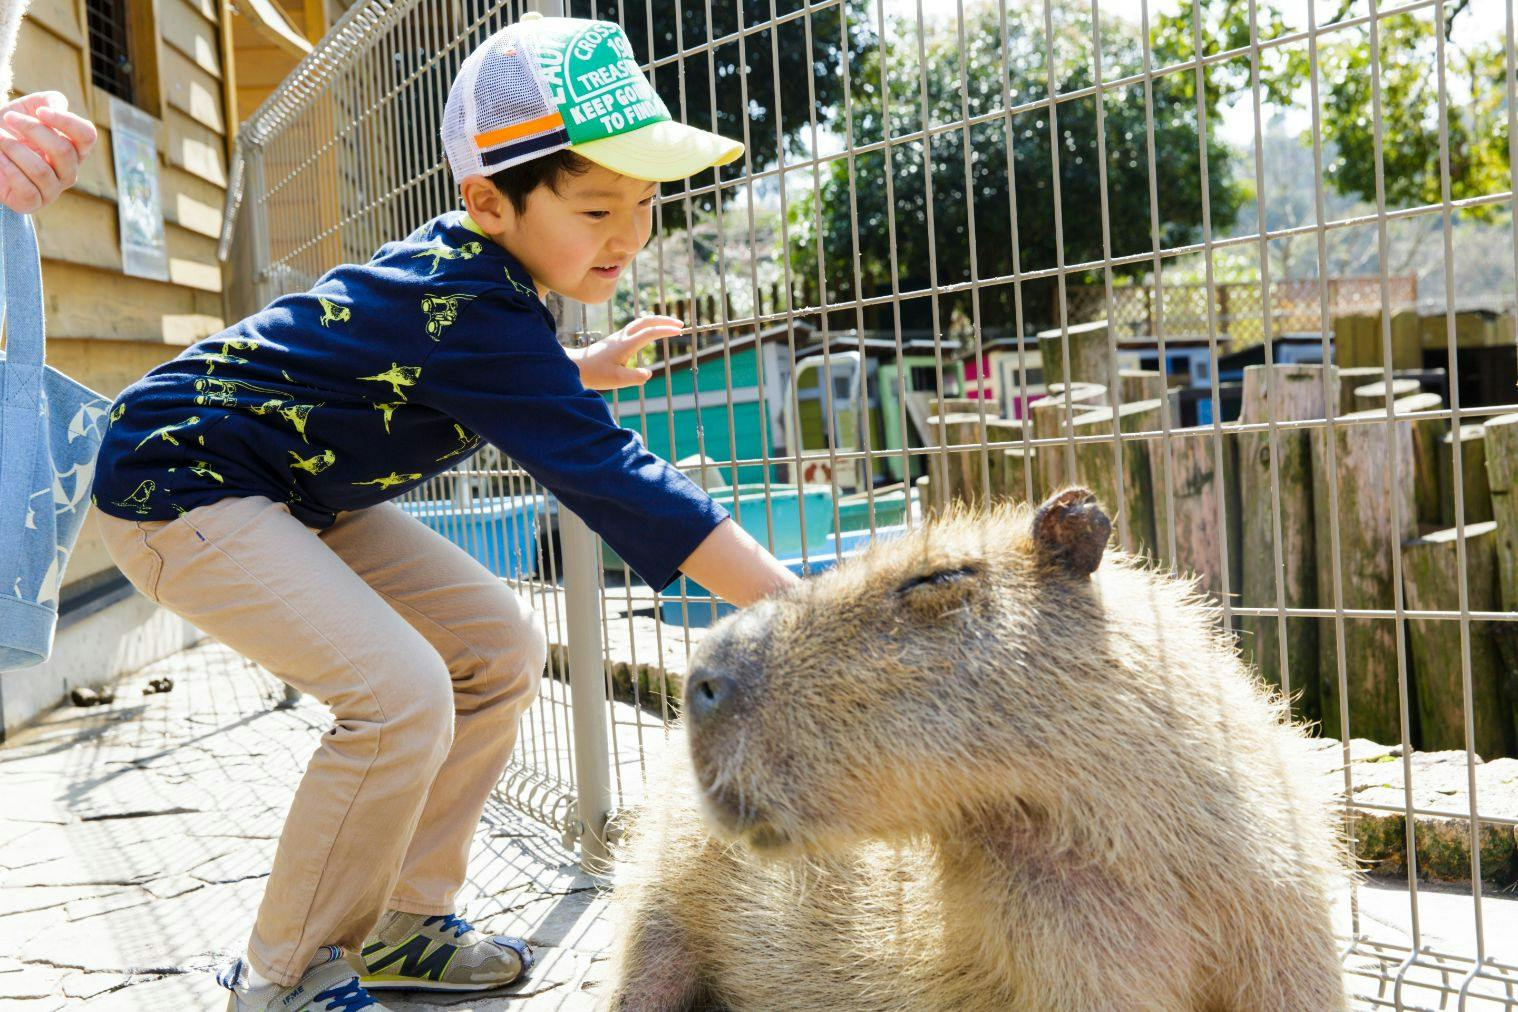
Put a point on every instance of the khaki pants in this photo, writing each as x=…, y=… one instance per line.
x=424, y=657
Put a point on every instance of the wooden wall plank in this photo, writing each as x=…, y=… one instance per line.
x=191, y=90
x=187, y=31
x=190, y=202
x=45, y=62
x=195, y=148
x=83, y=302
x=192, y=259
x=80, y=229
x=60, y=17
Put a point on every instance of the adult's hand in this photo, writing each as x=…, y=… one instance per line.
x=41, y=146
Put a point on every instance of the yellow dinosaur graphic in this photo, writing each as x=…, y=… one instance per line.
x=201, y=469
x=137, y=502
x=223, y=393
x=213, y=359
x=116, y=414
x=442, y=251
x=467, y=441
x=313, y=465
x=333, y=313
x=388, y=409
x=441, y=311
x=519, y=286
x=398, y=376
x=166, y=433
x=225, y=356
x=389, y=480
x=296, y=414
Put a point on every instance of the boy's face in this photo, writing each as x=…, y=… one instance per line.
x=576, y=242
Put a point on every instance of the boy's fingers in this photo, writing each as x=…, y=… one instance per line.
x=649, y=321
x=58, y=149
x=647, y=336
x=80, y=131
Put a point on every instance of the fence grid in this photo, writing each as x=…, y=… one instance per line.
x=912, y=291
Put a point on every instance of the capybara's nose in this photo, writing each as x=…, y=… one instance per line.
x=708, y=695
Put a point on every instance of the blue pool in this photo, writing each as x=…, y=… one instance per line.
x=501, y=532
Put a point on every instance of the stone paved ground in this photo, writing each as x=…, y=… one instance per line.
x=135, y=838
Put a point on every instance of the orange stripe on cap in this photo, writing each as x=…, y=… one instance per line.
x=510, y=133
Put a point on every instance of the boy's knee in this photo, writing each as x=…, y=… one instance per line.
x=424, y=710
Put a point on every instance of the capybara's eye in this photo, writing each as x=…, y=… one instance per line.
x=938, y=578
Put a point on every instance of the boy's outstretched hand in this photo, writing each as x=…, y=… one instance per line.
x=603, y=365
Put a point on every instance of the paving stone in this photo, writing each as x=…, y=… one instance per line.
x=172, y=885
x=33, y=1004
x=23, y=900
x=181, y=992
x=94, y=906
x=191, y=930
x=83, y=984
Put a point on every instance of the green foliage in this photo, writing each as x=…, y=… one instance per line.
x=939, y=78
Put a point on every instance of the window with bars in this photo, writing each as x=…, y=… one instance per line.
x=110, y=47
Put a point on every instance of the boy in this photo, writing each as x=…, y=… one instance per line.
x=245, y=487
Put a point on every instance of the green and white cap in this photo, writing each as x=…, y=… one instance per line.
x=545, y=84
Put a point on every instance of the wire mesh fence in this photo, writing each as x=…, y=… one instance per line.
x=976, y=251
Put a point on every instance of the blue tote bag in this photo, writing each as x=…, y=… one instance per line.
x=50, y=430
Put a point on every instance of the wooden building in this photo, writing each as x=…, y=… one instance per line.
x=197, y=68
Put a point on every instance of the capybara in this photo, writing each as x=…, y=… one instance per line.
x=979, y=767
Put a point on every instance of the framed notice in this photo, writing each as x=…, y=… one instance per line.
x=139, y=208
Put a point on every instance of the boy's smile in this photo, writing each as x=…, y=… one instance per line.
x=575, y=240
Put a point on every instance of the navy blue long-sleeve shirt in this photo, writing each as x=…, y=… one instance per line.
x=381, y=376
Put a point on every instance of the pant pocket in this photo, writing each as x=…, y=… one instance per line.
x=126, y=542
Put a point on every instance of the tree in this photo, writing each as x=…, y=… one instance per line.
x=989, y=70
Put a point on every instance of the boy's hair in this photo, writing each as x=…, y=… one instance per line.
x=516, y=182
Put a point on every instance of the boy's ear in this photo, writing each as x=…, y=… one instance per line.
x=485, y=204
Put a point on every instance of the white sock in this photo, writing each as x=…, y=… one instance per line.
x=254, y=978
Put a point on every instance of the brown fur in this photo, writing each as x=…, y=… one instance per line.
x=960, y=773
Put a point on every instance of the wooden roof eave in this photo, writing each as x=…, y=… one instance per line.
x=270, y=22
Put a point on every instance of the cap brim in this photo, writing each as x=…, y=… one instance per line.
x=660, y=152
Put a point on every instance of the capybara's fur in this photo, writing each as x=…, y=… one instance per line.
x=964, y=771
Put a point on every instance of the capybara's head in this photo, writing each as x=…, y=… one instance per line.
x=966, y=663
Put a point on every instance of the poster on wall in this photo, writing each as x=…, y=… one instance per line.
x=139, y=209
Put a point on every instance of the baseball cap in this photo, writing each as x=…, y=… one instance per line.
x=545, y=84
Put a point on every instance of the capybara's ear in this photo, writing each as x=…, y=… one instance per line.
x=1070, y=531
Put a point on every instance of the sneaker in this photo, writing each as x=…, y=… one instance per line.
x=438, y=953
x=328, y=985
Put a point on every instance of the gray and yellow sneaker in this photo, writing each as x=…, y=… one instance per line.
x=328, y=985
x=438, y=953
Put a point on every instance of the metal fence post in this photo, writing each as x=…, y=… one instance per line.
x=587, y=673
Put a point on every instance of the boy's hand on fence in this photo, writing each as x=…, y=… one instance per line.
x=41, y=146
x=603, y=366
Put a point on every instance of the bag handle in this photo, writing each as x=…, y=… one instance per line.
x=21, y=299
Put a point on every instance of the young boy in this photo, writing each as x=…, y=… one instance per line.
x=245, y=487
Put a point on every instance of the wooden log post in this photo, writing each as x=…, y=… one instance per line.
x=1088, y=354
x=1502, y=476
x=957, y=405
x=1049, y=416
x=1431, y=577
x=1361, y=475
x=1298, y=395
x=1018, y=463
x=1141, y=385
x=960, y=469
x=1471, y=440
x=1427, y=433
x=1001, y=430
x=1096, y=468
x=926, y=491
x=1351, y=379
x=1189, y=493
x=1373, y=395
